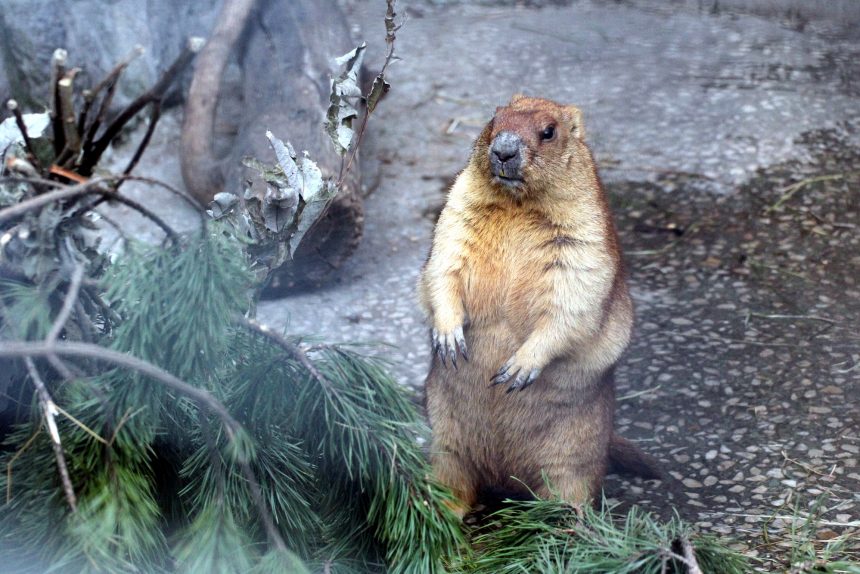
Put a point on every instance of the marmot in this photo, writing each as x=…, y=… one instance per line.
x=529, y=307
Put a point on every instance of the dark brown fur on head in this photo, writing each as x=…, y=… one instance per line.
x=546, y=136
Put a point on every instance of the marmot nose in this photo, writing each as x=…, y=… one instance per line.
x=506, y=146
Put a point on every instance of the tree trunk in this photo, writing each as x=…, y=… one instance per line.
x=285, y=55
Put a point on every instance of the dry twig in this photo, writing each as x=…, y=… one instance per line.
x=153, y=95
x=13, y=107
x=50, y=411
x=89, y=187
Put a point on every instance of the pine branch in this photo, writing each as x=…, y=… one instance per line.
x=203, y=398
x=292, y=350
x=18, y=349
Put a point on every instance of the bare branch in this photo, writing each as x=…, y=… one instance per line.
x=154, y=94
x=50, y=411
x=109, y=83
x=117, y=70
x=390, y=28
x=175, y=191
x=68, y=304
x=89, y=187
x=58, y=70
x=690, y=557
x=13, y=349
x=154, y=114
x=13, y=107
x=111, y=196
x=65, y=88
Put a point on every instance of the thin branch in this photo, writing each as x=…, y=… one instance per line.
x=117, y=70
x=265, y=516
x=12, y=349
x=214, y=457
x=13, y=107
x=85, y=114
x=154, y=114
x=292, y=350
x=154, y=94
x=87, y=188
x=65, y=87
x=183, y=195
x=50, y=411
x=109, y=82
x=144, y=211
x=690, y=557
x=68, y=304
x=789, y=191
x=80, y=424
x=635, y=394
x=12, y=460
x=806, y=317
x=390, y=36
x=58, y=70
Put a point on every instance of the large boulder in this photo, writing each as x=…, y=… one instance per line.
x=97, y=34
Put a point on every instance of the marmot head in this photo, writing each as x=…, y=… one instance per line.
x=529, y=145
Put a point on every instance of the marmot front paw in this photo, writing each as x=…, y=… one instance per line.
x=447, y=345
x=522, y=376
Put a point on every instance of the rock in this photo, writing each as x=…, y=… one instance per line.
x=96, y=35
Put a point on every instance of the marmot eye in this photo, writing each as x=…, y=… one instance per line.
x=548, y=133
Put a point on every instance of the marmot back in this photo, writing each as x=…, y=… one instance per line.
x=529, y=307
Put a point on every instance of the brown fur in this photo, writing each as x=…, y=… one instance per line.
x=532, y=274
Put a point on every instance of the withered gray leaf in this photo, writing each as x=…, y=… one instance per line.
x=379, y=88
x=222, y=204
x=279, y=206
x=341, y=112
x=286, y=156
x=312, y=211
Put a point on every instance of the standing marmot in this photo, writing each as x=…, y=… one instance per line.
x=525, y=283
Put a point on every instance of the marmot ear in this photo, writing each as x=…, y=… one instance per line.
x=577, y=129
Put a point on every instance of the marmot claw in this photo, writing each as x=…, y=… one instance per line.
x=449, y=344
x=522, y=378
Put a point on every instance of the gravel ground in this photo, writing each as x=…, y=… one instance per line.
x=711, y=127
x=744, y=375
